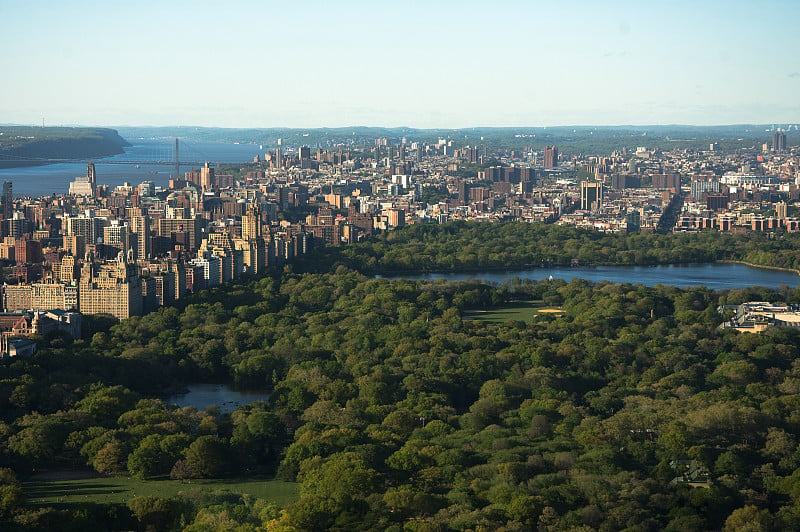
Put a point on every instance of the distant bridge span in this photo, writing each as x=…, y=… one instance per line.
x=166, y=156
x=101, y=160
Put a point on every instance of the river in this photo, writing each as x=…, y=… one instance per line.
x=717, y=276
x=35, y=181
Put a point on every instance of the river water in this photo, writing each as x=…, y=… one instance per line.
x=717, y=276
x=35, y=181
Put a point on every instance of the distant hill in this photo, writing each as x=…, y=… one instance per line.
x=20, y=142
x=589, y=140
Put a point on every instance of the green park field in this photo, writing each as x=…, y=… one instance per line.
x=119, y=490
x=525, y=311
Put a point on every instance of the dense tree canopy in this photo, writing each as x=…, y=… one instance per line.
x=395, y=408
x=513, y=245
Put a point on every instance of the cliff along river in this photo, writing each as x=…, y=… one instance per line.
x=50, y=179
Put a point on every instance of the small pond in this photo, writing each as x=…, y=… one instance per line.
x=227, y=399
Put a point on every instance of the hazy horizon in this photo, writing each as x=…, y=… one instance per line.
x=772, y=125
x=443, y=65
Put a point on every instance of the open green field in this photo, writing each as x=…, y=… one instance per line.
x=119, y=490
x=525, y=311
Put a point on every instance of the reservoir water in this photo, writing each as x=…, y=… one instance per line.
x=35, y=181
x=717, y=276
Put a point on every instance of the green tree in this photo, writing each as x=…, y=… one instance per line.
x=207, y=457
x=11, y=496
x=155, y=514
x=148, y=459
x=112, y=458
x=749, y=518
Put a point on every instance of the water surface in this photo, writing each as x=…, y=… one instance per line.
x=35, y=181
x=717, y=276
x=202, y=396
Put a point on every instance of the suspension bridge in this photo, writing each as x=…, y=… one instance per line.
x=161, y=154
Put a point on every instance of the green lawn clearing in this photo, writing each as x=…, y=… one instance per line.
x=119, y=490
x=525, y=311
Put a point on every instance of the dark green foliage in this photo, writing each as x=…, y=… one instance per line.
x=28, y=142
x=392, y=410
x=472, y=246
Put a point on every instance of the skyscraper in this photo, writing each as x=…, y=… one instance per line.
x=84, y=186
x=7, y=201
x=207, y=177
x=112, y=288
x=779, y=141
x=550, y=156
x=591, y=195
x=251, y=222
x=140, y=227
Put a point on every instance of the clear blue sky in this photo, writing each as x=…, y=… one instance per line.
x=415, y=63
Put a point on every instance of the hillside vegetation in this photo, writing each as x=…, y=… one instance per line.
x=20, y=142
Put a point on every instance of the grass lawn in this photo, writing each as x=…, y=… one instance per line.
x=519, y=310
x=118, y=490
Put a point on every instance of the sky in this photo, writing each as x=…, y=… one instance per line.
x=424, y=64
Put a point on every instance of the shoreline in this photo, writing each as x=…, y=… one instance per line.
x=760, y=266
x=499, y=269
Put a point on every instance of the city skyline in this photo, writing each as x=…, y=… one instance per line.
x=447, y=65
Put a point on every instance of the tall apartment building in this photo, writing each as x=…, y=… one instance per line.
x=39, y=296
x=28, y=251
x=210, y=266
x=7, y=201
x=779, y=142
x=704, y=186
x=140, y=229
x=178, y=268
x=83, y=225
x=184, y=231
x=207, y=177
x=84, y=186
x=279, y=156
x=117, y=235
x=665, y=181
x=253, y=253
x=251, y=222
x=591, y=195
x=113, y=288
x=67, y=270
x=550, y=156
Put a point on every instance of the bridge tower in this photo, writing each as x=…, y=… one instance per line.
x=177, y=164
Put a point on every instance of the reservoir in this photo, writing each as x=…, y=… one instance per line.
x=717, y=276
x=201, y=396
